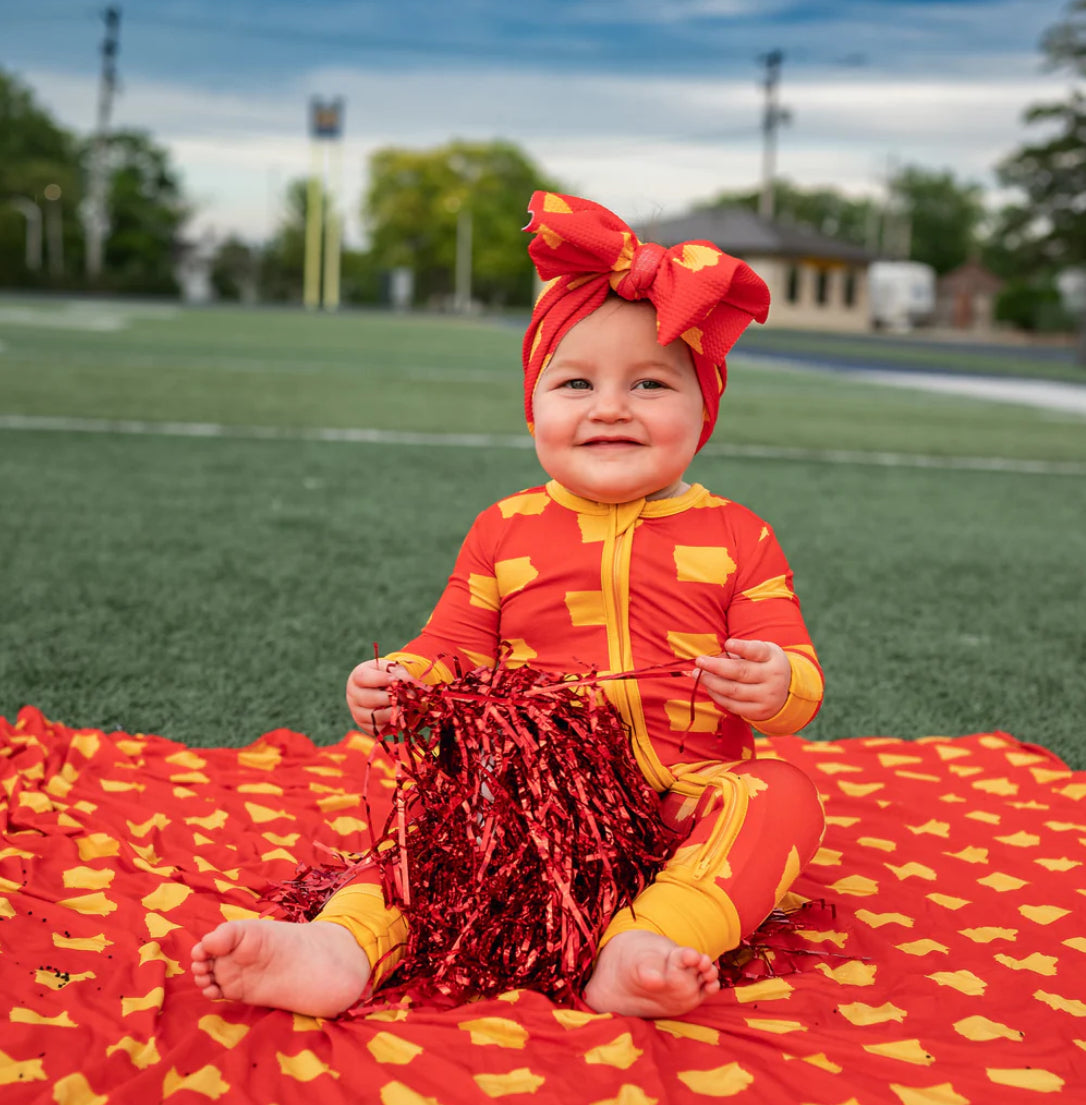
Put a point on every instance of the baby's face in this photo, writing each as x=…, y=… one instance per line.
x=617, y=415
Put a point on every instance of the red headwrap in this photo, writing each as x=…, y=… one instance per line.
x=700, y=294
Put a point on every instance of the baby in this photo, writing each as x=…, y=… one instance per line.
x=617, y=563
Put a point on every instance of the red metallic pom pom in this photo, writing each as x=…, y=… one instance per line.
x=520, y=824
x=525, y=824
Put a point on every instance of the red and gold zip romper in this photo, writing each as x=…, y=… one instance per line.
x=574, y=585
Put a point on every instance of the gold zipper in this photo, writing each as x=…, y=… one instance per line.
x=620, y=661
x=727, y=825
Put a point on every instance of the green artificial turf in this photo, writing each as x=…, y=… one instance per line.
x=289, y=369
x=922, y=350
x=213, y=589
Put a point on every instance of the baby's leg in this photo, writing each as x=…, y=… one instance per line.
x=754, y=828
x=644, y=974
x=315, y=968
x=321, y=968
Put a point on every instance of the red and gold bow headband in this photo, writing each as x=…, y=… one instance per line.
x=700, y=293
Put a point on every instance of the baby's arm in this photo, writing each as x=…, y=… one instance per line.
x=751, y=678
x=768, y=671
x=367, y=694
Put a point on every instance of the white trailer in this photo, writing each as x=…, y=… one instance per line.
x=901, y=294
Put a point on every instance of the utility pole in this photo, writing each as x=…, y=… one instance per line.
x=95, y=218
x=772, y=118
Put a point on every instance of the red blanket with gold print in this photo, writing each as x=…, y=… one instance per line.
x=955, y=971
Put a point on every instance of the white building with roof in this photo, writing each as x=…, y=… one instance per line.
x=816, y=282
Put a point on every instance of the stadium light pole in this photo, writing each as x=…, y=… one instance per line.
x=333, y=229
x=314, y=217
x=322, y=220
x=32, y=213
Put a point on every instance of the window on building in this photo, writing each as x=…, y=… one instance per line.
x=850, y=288
x=822, y=287
x=793, y=283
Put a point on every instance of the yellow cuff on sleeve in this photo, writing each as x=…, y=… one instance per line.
x=422, y=667
x=804, y=698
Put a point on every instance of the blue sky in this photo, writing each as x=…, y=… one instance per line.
x=646, y=105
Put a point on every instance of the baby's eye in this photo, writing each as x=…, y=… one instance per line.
x=577, y=384
x=650, y=385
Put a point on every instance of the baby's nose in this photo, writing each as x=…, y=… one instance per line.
x=611, y=403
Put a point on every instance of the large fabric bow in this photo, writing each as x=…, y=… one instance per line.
x=700, y=293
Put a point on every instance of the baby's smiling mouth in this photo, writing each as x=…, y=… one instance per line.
x=606, y=442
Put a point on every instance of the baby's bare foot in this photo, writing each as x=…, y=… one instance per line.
x=644, y=974
x=316, y=968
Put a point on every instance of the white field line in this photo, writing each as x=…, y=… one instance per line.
x=360, y=436
x=96, y=317
x=1052, y=395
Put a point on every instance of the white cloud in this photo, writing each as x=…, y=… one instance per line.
x=640, y=145
x=673, y=11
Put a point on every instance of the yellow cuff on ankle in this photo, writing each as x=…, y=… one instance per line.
x=695, y=914
x=381, y=930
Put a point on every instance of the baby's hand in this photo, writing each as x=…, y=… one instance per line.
x=367, y=694
x=751, y=679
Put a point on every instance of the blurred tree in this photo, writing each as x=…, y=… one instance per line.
x=1030, y=298
x=944, y=216
x=42, y=166
x=414, y=202
x=283, y=258
x=234, y=270
x=36, y=154
x=1051, y=173
x=146, y=214
x=1033, y=303
x=1064, y=43
x=360, y=278
x=281, y=263
x=823, y=210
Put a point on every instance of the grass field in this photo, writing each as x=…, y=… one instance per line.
x=212, y=587
x=924, y=350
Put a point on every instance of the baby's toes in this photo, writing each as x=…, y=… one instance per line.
x=688, y=959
